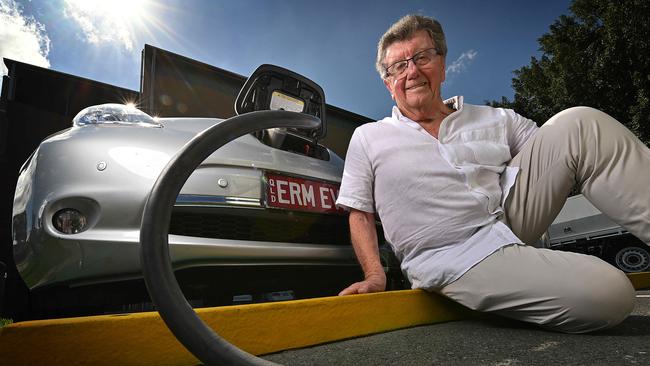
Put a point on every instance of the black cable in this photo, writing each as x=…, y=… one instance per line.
x=165, y=292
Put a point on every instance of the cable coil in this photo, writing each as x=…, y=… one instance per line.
x=177, y=313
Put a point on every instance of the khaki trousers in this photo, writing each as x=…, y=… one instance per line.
x=565, y=291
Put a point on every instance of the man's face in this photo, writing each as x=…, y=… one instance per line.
x=418, y=87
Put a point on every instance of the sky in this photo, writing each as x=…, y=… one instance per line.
x=332, y=42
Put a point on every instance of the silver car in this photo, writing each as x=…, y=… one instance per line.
x=258, y=211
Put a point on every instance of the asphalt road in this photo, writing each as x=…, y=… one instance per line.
x=488, y=341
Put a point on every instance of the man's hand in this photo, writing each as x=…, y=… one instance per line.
x=373, y=283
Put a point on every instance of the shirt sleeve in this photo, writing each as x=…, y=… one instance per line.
x=520, y=129
x=358, y=178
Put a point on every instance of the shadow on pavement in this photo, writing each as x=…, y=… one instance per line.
x=633, y=326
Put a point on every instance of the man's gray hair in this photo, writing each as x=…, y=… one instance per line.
x=403, y=30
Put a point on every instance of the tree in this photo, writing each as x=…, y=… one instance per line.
x=597, y=56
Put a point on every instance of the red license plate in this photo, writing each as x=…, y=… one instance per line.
x=301, y=194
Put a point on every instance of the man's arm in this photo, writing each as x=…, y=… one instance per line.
x=364, y=241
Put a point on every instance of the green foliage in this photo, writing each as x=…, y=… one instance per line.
x=597, y=56
x=4, y=322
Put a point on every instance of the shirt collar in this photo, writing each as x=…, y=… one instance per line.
x=399, y=117
x=455, y=102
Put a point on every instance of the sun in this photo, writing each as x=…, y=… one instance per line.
x=117, y=21
x=114, y=10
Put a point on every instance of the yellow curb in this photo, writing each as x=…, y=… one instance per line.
x=143, y=338
x=640, y=280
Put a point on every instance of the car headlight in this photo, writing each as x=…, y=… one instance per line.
x=120, y=114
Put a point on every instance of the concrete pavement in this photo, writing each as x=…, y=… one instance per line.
x=487, y=341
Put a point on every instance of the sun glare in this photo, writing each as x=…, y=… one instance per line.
x=118, y=21
x=115, y=10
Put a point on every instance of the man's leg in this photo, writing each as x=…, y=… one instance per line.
x=587, y=147
x=562, y=291
x=565, y=291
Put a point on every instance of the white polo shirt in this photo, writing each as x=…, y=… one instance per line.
x=439, y=200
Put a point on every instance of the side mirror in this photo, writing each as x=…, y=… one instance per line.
x=272, y=87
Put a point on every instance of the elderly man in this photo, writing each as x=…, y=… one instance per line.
x=464, y=192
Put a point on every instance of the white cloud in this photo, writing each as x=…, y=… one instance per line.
x=461, y=63
x=22, y=38
x=106, y=21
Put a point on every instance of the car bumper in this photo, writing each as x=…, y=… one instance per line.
x=108, y=258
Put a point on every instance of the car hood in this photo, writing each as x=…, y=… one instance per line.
x=145, y=151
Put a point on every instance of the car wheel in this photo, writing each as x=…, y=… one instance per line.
x=632, y=259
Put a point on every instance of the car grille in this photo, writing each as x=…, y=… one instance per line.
x=261, y=225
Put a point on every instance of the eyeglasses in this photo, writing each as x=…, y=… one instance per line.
x=421, y=58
